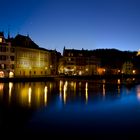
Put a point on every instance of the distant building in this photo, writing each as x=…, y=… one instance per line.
x=127, y=68
x=7, y=57
x=78, y=62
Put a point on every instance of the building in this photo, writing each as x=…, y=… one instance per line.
x=31, y=60
x=20, y=56
x=127, y=68
x=7, y=57
x=78, y=62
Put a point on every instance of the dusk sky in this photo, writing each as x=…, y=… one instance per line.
x=88, y=24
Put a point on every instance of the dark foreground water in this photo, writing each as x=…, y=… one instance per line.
x=72, y=108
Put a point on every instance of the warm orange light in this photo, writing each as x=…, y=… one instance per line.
x=134, y=71
x=1, y=74
x=119, y=81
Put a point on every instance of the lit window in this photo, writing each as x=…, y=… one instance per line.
x=11, y=74
x=0, y=40
x=1, y=74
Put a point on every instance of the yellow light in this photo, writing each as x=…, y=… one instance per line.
x=119, y=70
x=80, y=72
x=65, y=92
x=0, y=40
x=119, y=81
x=72, y=83
x=29, y=95
x=86, y=69
x=11, y=74
x=74, y=88
x=1, y=74
x=45, y=94
x=10, y=90
x=60, y=89
x=134, y=71
x=86, y=92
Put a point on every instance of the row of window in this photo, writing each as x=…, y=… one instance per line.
x=33, y=55
x=32, y=73
x=5, y=57
x=4, y=66
x=6, y=49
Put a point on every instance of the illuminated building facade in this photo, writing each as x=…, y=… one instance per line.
x=20, y=56
x=78, y=62
x=31, y=60
x=127, y=68
x=7, y=57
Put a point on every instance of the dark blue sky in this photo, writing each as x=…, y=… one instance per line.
x=88, y=24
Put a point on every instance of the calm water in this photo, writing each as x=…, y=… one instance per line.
x=70, y=107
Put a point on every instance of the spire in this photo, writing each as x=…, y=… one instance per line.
x=9, y=32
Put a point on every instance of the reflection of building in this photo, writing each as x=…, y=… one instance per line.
x=78, y=62
x=6, y=58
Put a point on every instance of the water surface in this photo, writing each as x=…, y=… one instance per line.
x=67, y=107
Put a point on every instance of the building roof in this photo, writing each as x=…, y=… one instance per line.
x=75, y=53
x=23, y=41
x=1, y=34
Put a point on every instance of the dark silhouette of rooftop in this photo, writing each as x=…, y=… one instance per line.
x=1, y=34
x=23, y=41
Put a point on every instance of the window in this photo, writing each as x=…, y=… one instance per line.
x=3, y=49
x=34, y=72
x=30, y=72
x=12, y=66
x=12, y=49
x=0, y=40
x=2, y=57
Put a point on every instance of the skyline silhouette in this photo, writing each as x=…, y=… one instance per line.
x=88, y=24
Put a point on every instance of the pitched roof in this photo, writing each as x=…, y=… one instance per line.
x=23, y=41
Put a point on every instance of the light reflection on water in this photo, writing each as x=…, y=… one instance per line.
x=37, y=94
x=74, y=102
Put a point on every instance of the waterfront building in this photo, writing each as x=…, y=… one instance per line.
x=31, y=60
x=20, y=56
x=127, y=68
x=7, y=57
x=78, y=62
